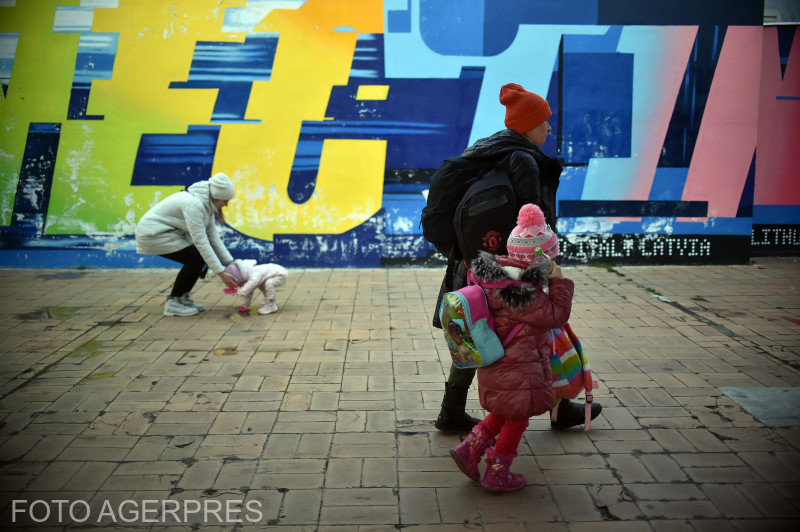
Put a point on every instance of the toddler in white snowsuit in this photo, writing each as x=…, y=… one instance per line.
x=265, y=277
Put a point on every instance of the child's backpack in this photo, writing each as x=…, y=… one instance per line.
x=450, y=186
x=468, y=327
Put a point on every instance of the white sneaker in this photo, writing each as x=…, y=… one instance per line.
x=268, y=309
x=186, y=300
x=175, y=306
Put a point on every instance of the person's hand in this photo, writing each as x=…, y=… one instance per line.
x=556, y=271
x=228, y=279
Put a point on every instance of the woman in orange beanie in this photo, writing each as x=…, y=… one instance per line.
x=526, y=113
x=535, y=177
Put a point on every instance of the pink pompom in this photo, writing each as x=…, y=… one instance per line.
x=530, y=215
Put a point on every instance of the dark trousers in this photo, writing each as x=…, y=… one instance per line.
x=460, y=378
x=194, y=267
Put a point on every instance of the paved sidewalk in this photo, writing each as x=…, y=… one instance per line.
x=319, y=417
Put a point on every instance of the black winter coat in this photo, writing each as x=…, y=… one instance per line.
x=535, y=176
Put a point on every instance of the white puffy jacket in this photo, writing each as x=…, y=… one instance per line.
x=265, y=277
x=180, y=220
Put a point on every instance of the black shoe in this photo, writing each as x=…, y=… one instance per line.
x=452, y=417
x=570, y=414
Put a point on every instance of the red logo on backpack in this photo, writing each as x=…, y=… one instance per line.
x=492, y=241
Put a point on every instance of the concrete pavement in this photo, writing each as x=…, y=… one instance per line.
x=319, y=417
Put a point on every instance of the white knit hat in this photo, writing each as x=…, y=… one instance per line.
x=221, y=187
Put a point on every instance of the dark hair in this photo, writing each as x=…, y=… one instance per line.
x=454, y=325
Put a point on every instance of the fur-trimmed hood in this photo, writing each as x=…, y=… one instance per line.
x=521, y=284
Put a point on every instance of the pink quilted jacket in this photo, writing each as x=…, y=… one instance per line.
x=519, y=385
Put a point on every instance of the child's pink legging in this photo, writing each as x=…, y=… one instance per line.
x=510, y=431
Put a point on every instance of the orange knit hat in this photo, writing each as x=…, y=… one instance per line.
x=524, y=110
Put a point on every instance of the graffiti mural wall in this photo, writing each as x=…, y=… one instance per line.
x=675, y=121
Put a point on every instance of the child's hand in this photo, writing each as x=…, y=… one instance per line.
x=556, y=271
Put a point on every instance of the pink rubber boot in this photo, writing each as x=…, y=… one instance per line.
x=498, y=477
x=468, y=453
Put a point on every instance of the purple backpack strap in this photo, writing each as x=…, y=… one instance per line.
x=512, y=334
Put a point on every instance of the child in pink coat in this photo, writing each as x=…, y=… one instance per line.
x=265, y=277
x=523, y=287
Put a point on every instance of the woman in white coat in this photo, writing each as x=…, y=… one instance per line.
x=182, y=227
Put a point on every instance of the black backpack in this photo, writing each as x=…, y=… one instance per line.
x=486, y=215
x=471, y=207
x=444, y=215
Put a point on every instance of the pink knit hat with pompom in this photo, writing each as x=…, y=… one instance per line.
x=532, y=241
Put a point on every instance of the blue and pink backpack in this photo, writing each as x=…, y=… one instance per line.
x=468, y=327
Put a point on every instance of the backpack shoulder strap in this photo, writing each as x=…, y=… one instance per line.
x=471, y=280
x=512, y=334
